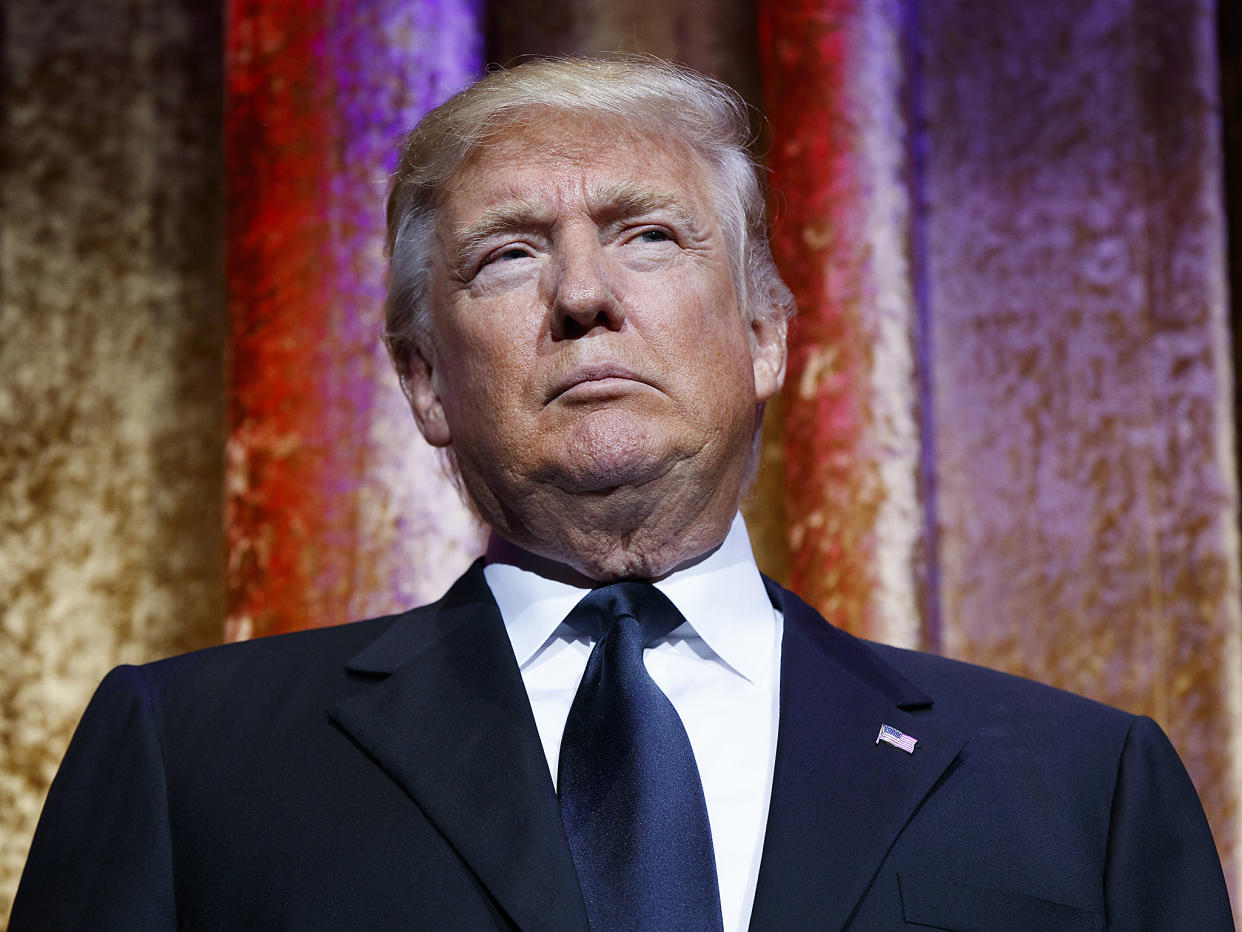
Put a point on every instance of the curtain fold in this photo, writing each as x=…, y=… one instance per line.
x=336, y=509
x=1009, y=428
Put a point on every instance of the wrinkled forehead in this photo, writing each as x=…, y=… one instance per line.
x=541, y=147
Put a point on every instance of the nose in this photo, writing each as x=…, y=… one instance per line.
x=583, y=297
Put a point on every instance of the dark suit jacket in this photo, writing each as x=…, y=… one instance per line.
x=388, y=774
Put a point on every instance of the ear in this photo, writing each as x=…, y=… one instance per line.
x=767, y=353
x=421, y=391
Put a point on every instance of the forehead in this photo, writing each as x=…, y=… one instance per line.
x=558, y=159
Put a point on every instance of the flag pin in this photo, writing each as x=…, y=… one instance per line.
x=890, y=735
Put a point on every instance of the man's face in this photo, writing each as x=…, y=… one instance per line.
x=587, y=332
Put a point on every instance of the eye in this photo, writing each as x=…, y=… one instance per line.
x=509, y=253
x=505, y=255
x=503, y=261
x=651, y=236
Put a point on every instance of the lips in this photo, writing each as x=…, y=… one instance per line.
x=597, y=372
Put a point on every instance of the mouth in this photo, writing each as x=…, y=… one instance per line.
x=595, y=381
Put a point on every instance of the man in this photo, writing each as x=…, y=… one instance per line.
x=584, y=314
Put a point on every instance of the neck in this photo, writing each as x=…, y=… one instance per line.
x=500, y=550
x=642, y=528
x=599, y=543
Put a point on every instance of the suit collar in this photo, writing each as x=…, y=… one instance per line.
x=422, y=629
x=721, y=596
x=846, y=652
x=449, y=721
x=839, y=799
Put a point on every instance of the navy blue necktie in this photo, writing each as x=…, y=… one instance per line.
x=629, y=789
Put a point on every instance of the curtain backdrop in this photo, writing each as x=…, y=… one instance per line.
x=112, y=340
x=1007, y=430
x=1009, y=424
x=336, y=509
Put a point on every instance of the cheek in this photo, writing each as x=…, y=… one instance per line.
x=717, y=336
x=485, y=384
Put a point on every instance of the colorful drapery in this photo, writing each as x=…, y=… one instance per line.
x=1006, y=430
x=336, y=508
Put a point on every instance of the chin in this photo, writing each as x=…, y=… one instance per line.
x=607, y=475
x=610, y=453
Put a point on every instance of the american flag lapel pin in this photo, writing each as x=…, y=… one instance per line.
x=890, y=735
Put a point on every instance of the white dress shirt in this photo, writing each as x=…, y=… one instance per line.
x=720, y=670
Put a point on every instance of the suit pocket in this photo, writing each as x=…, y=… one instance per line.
x=937, y=903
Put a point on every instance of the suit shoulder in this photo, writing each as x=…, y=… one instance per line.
x=969, y=695
x=301, y=669
x=333, y=644
x=296, y=663
x=966, y=688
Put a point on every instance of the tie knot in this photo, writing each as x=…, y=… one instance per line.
x=601, y=608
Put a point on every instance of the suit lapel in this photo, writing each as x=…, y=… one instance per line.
x=839, y=799
x=449, y=721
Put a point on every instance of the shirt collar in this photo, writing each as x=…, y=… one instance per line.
x=722, y=598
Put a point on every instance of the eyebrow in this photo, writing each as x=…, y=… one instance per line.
x=623, y=201
x=512, y=216
x=607, y=206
